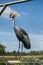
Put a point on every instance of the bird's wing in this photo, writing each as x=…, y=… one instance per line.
x=24, y=35
x=23, y=31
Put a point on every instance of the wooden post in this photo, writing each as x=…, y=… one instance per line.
x=6, y=63
x=33, y=63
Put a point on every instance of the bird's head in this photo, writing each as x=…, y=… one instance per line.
x=13, y=15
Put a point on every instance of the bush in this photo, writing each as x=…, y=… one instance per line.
x=1, y=63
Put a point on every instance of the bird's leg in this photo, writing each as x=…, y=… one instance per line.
x=19, y=47
x=22, y=48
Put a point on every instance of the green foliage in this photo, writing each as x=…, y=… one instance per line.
x=2, y=49
x=1, y=63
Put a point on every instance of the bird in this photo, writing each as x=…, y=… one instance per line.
x=20, y=34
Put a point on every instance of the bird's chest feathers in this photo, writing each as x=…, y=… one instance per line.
x=18, y=32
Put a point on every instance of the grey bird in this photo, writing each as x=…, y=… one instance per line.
x=21, y=35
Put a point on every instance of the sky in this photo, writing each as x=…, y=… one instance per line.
x=30, y=18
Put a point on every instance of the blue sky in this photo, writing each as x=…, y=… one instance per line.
x=30, y=19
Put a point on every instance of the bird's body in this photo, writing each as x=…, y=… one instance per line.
x=21, y=35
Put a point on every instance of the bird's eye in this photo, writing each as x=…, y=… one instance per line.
x=11, y=15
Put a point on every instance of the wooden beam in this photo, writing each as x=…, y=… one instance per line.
x=14, y=2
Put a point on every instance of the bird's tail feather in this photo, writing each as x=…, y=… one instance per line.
x=27, y=46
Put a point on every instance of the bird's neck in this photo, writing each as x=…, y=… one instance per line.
x=13, y=23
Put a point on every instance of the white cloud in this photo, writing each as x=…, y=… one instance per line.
x=14, y=43
x=3, y=43
x=24, y=13
x=36, y=36
x=6, y=33
x=36, y=41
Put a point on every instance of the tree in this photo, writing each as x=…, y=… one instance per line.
x=2, y=49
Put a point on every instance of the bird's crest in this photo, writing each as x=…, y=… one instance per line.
x=14, y=13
